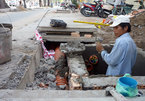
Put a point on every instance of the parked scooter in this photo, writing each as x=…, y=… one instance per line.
x=120, y=10
x=123, y=9
x=104, y=10
x=68, y=6
x=107, y=10
x=97, y=9
x=89, y=9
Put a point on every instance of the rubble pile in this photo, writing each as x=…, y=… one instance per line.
x=46, y=73
x=18, y=74
x=44, y=76
x=138, y=29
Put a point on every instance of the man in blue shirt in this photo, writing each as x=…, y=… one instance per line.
x=122, y=57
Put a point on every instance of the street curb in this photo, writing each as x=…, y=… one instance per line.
x=5, y=10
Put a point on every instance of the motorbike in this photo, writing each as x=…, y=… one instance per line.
x=95, y=9
x=104, y=10
x=89, y=9
x=68, y=6
x=123, y=9
x=108, y=9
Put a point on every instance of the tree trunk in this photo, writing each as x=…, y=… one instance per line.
x=40, y=3
x=48, y=3
x=24, y=4
x=3, y=4
x=44, y=3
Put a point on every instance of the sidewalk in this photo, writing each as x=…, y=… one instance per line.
x=5, y=10
x=23, y=43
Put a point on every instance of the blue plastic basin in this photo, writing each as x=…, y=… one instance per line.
x=127, y=82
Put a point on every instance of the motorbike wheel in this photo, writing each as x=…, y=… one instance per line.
x=81, y=10
x=85, y=13
x=123, y=12
x=72, y=9
x=118, y=12
x=100, y=13
x=105, y=13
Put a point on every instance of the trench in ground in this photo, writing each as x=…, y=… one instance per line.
x=44, y=77
x=101, y=66
x=54, y=37
x=98, y=69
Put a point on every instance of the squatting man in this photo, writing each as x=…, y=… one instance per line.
x=122, y=57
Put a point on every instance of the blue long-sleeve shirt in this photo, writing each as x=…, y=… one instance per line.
x=122, y=56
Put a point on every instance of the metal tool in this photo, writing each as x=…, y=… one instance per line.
x=94, y=23
x=117, y=96
x=99, y=39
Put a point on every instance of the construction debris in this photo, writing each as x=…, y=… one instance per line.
x=50, y=75
x=19, y=72
x=72, y=47
x=58, y=23
x=44, y=76
x=75, y=83
x=138, y=29
x=61, y=82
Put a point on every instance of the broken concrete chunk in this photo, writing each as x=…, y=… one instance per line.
x=75, y=84
x=72, y=47
x=77, y=66
x=51, y=77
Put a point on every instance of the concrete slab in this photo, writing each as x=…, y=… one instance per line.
x=98, y=81
x=60, y=38
x=59, y=99
x=77, y=66
x=58, y=95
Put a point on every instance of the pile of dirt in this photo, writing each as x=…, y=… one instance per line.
x=138, y=29
x=106, y=33
x=137, y=33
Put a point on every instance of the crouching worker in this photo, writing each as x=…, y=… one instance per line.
x=122, y=57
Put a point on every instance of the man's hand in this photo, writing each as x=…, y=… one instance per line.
x=99, y=47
